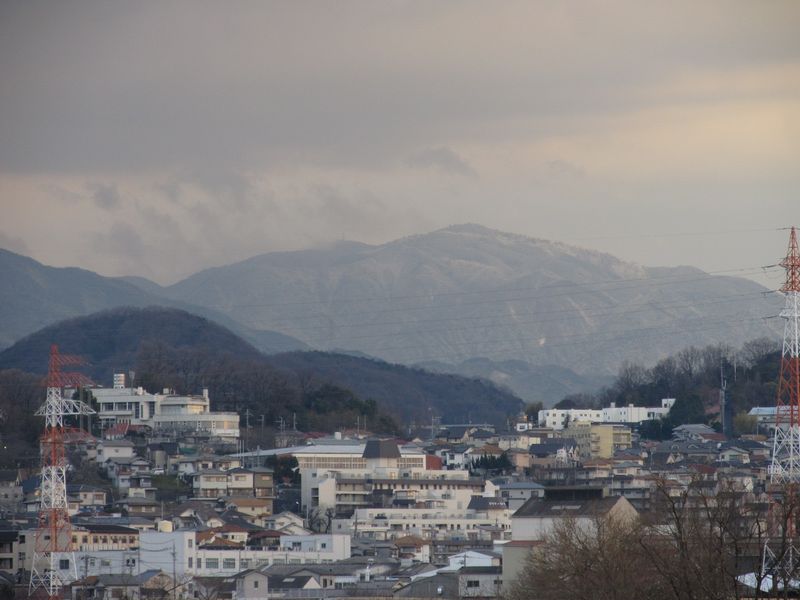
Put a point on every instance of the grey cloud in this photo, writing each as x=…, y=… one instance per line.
x=93, y=98
x=105, y=195
x=13, y=243
x=121, y=241
x=564, y=170
x=441, y=158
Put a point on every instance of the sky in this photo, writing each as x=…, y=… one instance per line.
x=160, y=138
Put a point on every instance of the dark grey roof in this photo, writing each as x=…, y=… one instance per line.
x=482, y=434
x=8, y=536
x=454, y=432
x=566, y=508
x=381, y=449
x=484, y=503
x=8, y=475
x=551, y=446
x=280, y=582
x=106, y=528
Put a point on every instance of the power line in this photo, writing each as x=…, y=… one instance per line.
x=513, y=321
x=583, y=338
x=616, y=281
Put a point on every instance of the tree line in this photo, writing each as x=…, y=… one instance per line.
x=693, y=377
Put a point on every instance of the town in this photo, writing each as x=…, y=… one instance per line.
x=181, y=511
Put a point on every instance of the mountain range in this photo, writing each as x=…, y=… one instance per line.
x=538, y=316
x=34, y=295
x=467, y=291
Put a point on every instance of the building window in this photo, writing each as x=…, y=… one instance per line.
x=190, y=562
x=212, y=563
x=189, y=543
x=63, y=564
x=228, y=563
x=255, y=584
x=472, y=583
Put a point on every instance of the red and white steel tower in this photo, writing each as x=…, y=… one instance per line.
x=54, y=534
x=781, y=560
x=785, y=468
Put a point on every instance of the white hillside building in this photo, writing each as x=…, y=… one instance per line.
x=556, y=418
x=166, y=412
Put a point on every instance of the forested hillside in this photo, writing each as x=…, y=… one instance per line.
x=693, y=376
x=168, y=348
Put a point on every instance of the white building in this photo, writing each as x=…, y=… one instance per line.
x=556, y=418
x=166, y=412
x=334, y=472
x=426, y=523
x=157, y=548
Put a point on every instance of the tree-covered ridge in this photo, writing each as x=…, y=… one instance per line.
x=693, y=376
x=169, y=348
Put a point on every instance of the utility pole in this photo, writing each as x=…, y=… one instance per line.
x=174, y=574
x=723, y=401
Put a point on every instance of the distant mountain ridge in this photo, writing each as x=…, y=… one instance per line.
x=34, y=295
x=467, y=291
x=442, y=298
x=533, y=383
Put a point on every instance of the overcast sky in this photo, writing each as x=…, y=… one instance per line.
x=160, y=138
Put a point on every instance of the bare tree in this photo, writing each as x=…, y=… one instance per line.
x=704, y=543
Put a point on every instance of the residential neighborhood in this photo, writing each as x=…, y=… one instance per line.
x=187, y=511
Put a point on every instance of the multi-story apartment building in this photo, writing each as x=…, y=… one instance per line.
x=255, y=482
x=195, y=558
x=599, y=440
x=427, y=523
x=343, y=475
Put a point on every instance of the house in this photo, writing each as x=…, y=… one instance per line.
x=413, y=548
x=536, y=518
x=141, y=486
x=10, y=489
x=164, y=456
x=141, y=507
x=691, y=431
x=114, y=449
x=95, y=537
x=9, y=559
x=517, y=493
x=251, y=583
x=257, y=509
x=88, y=497
x=195, y=513
x=210, y=483
x=153, y=584
x=279, y=583
x=286, y=522
x=516, y=554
